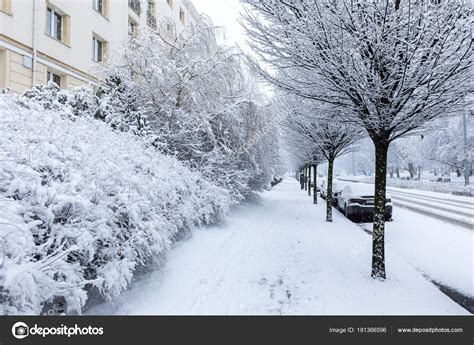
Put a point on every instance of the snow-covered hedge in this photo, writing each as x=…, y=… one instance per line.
x=82, y=205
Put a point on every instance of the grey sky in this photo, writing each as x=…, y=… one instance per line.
x=224, y=13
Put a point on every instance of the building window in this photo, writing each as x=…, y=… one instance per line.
x=170, y=3
x=135, y=6
x=132, y=27
x=169, y=30
x=151, y=19
x=55, y=24
x=101, y=6
x=182, y=16
x=53, y=77
x=98, y=6
x=99, y=48
x=6, y=6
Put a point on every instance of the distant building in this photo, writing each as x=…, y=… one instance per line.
x=62, y=40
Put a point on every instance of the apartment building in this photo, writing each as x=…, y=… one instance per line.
x=64, y=40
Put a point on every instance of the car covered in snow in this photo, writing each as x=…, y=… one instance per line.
x=357, y=202
x=336, y=191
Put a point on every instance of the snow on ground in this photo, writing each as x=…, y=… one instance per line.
x=443, y=251
x=279, y=256
x=427, y=183
x=444, y=196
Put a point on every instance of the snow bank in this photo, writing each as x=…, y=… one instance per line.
x=83, y=206
x=429, y=186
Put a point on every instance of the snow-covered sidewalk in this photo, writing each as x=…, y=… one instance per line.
x=279, y=256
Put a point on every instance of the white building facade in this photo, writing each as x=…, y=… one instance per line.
x=65, y=40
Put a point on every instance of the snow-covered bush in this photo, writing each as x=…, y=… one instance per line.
x=83, y=205
x=78, y=101
x=116, y=103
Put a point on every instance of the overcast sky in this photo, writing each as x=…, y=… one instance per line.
x=224, y=13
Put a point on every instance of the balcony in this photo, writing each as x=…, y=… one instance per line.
x=135, y=6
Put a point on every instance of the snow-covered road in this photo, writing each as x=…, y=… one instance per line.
x=456, y=210
x=279, y=256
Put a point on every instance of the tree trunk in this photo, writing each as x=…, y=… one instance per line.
x=305, y=178
x=378, y=232
x=329, y=191
x=309, y=180
x=315, y=182
x=411, y=170
x=398, y=172
x=467, y=172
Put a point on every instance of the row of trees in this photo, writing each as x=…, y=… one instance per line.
x=314, y=138
x=386, y=67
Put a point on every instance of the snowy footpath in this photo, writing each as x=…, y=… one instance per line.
x=278, y=256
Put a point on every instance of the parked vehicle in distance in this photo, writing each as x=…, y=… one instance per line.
x=336, y=190
x=311, y=185
x=442, y=179
x=357, y=204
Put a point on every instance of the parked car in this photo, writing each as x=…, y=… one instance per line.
x=311, y=185
x=357, y=204
x=336, y=190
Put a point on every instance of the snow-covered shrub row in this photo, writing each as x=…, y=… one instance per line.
x=83, y=205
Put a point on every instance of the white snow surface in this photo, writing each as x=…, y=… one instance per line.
x=424, y=185
x=441, y=250
x=279, y=256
